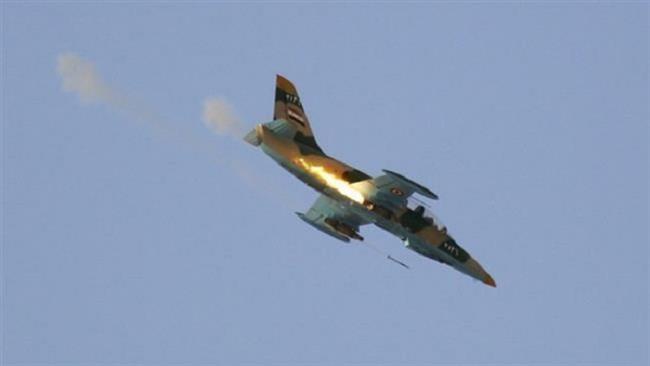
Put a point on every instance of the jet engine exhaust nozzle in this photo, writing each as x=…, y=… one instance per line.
x=254, y=137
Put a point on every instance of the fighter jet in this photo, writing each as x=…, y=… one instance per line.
x=351, y=198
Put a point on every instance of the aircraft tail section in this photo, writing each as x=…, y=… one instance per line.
x=288, y=107
x=289, y=120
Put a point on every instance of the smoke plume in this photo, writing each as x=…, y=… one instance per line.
x=220, y=117
x=79, y=77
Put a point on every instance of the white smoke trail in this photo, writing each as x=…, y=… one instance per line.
x=220, y=117
x=79, y=76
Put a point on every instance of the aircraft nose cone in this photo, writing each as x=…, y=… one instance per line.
x=488, y=280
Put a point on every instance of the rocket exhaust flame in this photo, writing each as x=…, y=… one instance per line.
x=332, y=181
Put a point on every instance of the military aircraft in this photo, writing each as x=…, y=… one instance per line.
x=351, y=198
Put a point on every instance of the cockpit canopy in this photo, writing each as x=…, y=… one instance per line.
x=418, y=217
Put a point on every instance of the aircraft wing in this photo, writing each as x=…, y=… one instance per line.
x=333, y=218
x=393, y=189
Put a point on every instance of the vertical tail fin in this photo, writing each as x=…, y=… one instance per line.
x=289, y=108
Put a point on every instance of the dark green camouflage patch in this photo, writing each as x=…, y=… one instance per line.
x=450, y=247
x=282, y=96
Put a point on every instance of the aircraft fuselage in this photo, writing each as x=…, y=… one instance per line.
x=344, y=184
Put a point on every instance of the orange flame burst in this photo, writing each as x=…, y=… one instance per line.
x=332, y=181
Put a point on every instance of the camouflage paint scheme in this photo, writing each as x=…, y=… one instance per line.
x=350, y=198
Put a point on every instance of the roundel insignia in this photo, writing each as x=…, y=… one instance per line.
x=396, y=191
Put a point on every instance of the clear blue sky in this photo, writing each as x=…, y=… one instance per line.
x=122, y=244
